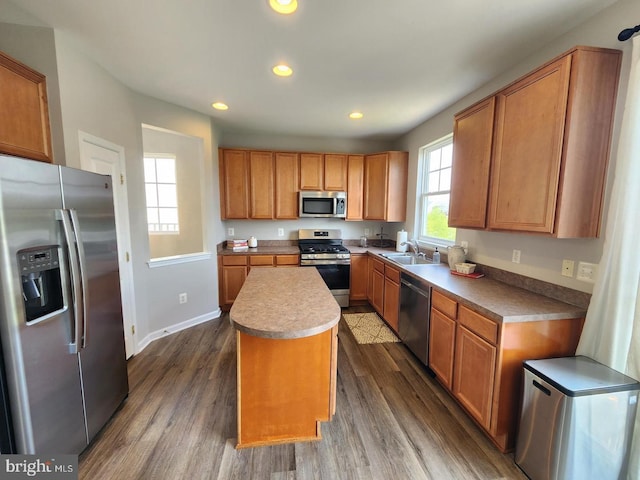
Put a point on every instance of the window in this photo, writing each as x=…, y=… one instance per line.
x=162, y=194
x=434, y=191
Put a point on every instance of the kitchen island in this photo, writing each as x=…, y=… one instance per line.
x=286, y=323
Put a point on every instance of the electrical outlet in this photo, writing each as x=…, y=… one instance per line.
x=515, y=258
x=367, y=232
x=281, y=232
x=231, y=232
x=567, y=268
x=182, y=298
x=587, y=272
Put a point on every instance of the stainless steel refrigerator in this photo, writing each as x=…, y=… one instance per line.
x=64, y=366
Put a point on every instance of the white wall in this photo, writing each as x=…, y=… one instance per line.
x=541, y=257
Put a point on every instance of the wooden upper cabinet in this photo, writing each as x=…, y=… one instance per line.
x=24, y=120
x=528, y=149
x=311, y=171
x=261, y=185
x=385, y=186
x=472, y=134
x=286, y=185
x=335, y=172
x=549, y=141
x=355, y=186
x=234, y=183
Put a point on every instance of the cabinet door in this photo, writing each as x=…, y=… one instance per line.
x=391, y=303
x=472, y=140
x=292, y=260
x=530, y=119
x=358, y=288
x=261, y=185
x=378, y=292
x=375, y=187
x=442, y=336
x=355, y=186
x=234, y=188
x=286, y=185
x=24, y=121
x=311, y=171
x=335, y=172
x=261, y=261
x=474, y=374
x=233, y=277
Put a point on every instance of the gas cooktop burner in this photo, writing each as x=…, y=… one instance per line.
x=323, y=249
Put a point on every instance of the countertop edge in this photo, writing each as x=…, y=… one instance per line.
x=285, y=335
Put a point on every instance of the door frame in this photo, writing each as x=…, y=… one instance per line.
x=121, y=207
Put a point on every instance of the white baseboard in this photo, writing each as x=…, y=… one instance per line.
x=176, y=328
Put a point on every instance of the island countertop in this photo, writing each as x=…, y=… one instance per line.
x=277, y=302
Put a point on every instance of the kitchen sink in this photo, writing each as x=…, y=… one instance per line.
x=408, y=258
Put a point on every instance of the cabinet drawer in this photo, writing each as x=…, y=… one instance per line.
x=234, y=260
x=392, y=274
x=287, y=259
x=446, y=305
x=378, y=265
x=478, y=324
x=261, y=260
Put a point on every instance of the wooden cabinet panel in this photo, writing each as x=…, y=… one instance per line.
x=286, y=185
x=358, y=288
x=385, y=186
x=375, y=289
x=311, y=171
x=473, y=381
x=261, y=184
x=233, y=277
x=472, y=133
x=391, y=306
x=443, y=303
x=261, y=260
x=234, y=260
x=355, y=186
x=24, y=121
x=335, y=172
x=478, y=324
x=287, y=260
x=442, y=336
x=525, y=174
x=234, y=188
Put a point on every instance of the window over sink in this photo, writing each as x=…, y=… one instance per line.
x=434, y=187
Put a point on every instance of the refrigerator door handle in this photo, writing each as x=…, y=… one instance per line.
x=83, y=276
x=76, y=282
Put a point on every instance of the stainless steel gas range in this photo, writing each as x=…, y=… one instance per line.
x=323, y=249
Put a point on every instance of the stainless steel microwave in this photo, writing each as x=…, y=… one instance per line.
x=323, y=204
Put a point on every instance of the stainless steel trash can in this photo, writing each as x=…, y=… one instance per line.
x=576, y=420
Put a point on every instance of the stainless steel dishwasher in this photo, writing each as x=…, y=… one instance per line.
x=413, y=322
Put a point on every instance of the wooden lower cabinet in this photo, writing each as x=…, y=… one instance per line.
x=473, y=384
x=233, y=271
x=391, y=307
x=358, y=284
x=375, y=289
x=479, y=360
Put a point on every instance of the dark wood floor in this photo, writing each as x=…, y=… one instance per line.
x=393, y=421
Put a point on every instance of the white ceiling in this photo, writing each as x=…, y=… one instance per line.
x=398, y=61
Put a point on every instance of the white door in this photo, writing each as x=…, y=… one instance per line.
x=100, y=156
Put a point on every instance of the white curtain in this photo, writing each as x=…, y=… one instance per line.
x=611, y=332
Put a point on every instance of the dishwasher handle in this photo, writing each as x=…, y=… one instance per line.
x=419, y=291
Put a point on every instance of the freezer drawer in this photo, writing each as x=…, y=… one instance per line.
x=576, y=420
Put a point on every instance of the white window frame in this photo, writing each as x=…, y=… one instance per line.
x=423, y=193
x=170, y=228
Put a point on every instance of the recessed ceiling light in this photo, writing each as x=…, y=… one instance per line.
x=356, y=115
x=220, y=106
x=282, y=70
x=284, y=6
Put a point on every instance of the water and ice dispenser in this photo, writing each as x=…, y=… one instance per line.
x=41, y=281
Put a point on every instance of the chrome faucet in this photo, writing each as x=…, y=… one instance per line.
x=413, y=243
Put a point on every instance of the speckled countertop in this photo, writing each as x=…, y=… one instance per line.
x=284, y=303
x=493, y=299
x=263, y=250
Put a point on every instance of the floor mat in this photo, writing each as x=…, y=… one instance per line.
x=369, y=328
